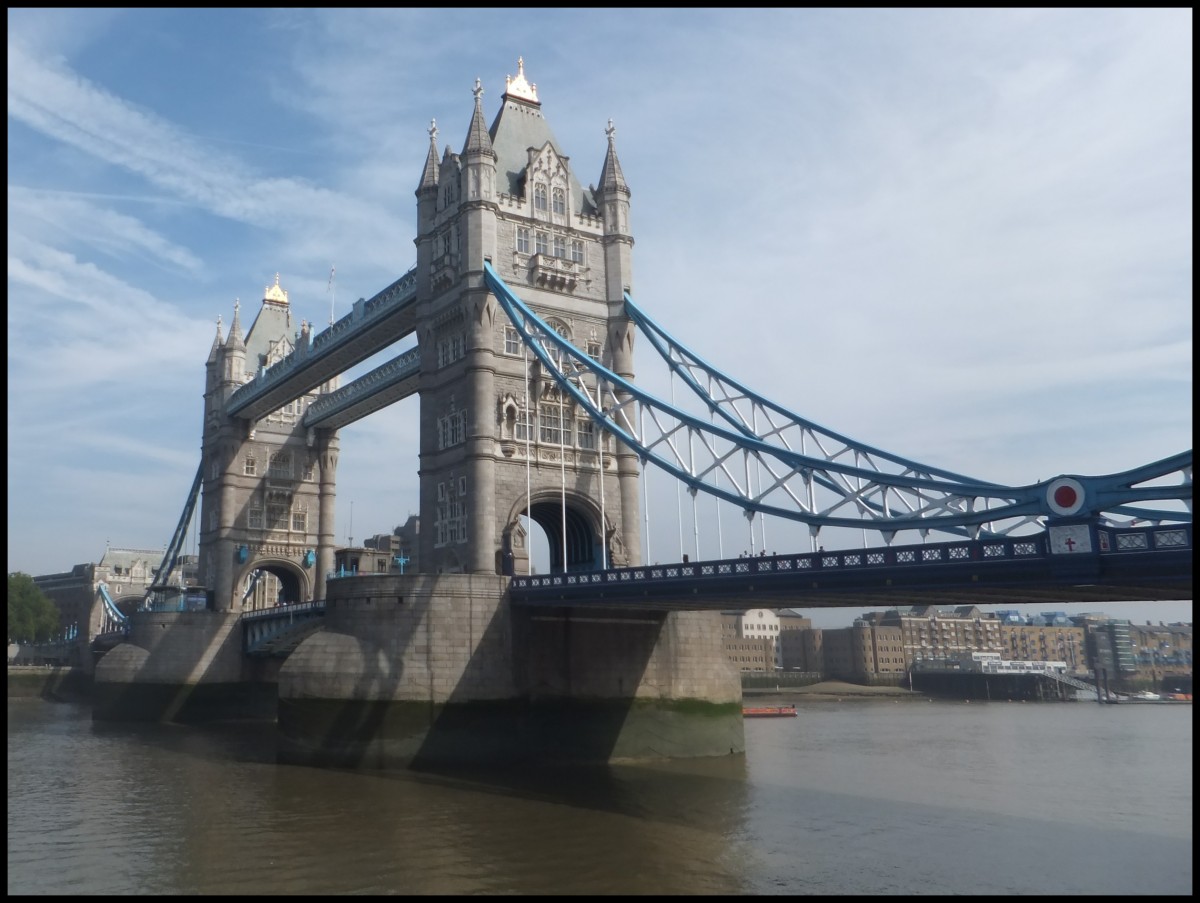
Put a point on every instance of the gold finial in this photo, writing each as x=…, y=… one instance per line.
x=519, y=87
x=275, y=294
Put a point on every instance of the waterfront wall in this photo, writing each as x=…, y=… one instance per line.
x=57, y=683
x=994, y=687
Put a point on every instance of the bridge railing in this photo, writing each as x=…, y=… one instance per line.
x=842, y=559
x=1110, y=542
x=283, y=611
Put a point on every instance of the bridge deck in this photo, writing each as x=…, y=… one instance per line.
x=965, y=573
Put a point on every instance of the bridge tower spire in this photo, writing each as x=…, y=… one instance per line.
x=612, y=199
x=268, y=486
x=498, y=440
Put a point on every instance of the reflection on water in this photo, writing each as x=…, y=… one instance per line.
x=861, y=797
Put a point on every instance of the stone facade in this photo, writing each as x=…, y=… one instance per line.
x=268, y=486
x=497, y=441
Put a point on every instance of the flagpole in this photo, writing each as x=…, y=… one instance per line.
x=332, y=295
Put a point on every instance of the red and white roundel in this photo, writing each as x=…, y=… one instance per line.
x=1065, y=496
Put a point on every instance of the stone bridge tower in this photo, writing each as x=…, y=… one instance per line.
x=267, y=510
x=496, y=439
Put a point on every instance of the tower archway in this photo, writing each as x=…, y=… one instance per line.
x=571, y=526
x=268, y=582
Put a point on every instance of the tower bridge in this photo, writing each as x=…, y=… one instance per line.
x=521, y=306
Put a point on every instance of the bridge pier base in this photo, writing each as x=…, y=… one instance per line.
x=423, y=670
x=180, y=666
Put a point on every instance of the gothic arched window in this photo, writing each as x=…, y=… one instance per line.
x=539, y=197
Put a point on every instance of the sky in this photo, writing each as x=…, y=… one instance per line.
x=963, y=236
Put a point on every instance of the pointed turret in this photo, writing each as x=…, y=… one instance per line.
x=217, y=342
x=235, y=339
x=478, y=140
x=235, y=347
x=611, y=177
x=429, y=176
x=478, y=182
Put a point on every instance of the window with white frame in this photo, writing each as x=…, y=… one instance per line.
x=522, y=240
x=452, y=429
x=577, y=251
x=512, y=340
x=300, y=518
x=521, y=426
x=309, y=471
x=542, y=240
x=593, y=350
x=250, y=466
x=559, y=201
x=539, y=197
x=551, y=422
x=560, y=246
x=585, y=432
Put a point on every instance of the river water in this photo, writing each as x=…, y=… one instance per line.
x=870, y=797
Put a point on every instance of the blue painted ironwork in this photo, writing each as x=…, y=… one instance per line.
x=352, y=339
x=115, y=621
x=755, y=416
x=275, y=632
x=1126, y=565
x=175, y=546
x=857, y=491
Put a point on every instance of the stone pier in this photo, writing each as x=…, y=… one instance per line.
x=438, y=669
x=183, y=666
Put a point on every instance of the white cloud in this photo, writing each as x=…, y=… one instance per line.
x=962, y=236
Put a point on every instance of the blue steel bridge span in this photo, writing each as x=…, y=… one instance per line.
x=1114, y=537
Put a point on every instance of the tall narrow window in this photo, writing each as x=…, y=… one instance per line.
x=577, y=251
x=539, y=198
x=560, y=246
x=250, y=468
x=585, y=431
x=522, y=240
x=512, y=340
x=521, y=426
x=543, y=243
x=281, y=465
x=560, y=201
x=550, y=422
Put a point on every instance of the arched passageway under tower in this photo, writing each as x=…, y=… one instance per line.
x=575, y=522
x=267, y=583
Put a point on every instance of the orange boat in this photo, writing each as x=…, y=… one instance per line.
x=768, y=711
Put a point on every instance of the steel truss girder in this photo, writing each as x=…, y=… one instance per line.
x=855, y=489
